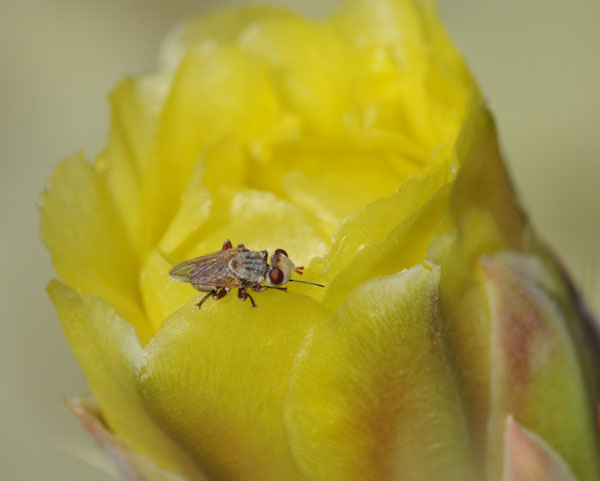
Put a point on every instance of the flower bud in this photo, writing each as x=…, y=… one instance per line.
x=447, y=344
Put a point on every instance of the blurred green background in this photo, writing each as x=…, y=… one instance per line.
x=538, y=63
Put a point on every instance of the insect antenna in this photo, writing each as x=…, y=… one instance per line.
x=306, y=282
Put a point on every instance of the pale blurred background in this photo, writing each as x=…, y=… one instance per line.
x=537, y=61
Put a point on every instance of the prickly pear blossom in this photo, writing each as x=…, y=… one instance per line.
x=448, y=343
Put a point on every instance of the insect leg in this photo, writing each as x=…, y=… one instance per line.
x=264, y=288
x=211, y=293
x=243, y=295
x=226, y=245
x=284, y=289
x=220, y=293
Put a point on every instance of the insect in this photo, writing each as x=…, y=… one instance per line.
x=237, y=268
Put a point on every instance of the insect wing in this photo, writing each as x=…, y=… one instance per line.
x=208, y=270
x=181, y=272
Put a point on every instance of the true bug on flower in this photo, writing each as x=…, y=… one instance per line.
x=237, y=268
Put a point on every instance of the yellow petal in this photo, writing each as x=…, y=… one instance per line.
x=111, y=358
x=412, y=79
x=381, y=22
x=441, y=47
x=89, y=248
x=195, y=204
x=194, y=118
x=482, y=181
x=309, y=68
x=261, y=221
x=216, y=378
x=376, y=220
x=135, y=108
x=372, y=396
x=405, y=245
x=162, y=295
x=308, y=62
x=227, y=26
x=329, y=179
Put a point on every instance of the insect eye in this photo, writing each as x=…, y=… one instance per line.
x=276, y=276
x=281, y=251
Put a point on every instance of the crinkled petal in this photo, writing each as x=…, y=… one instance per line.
x=374, y=221
x=216, y=378
x=372, y=396
x=328, y=178
x=194, y=118
x=381, y=22
x=111, y=357
x=226, y=26
x=308, y=63
x=404, y=246
x=481, y=185
x=413, y=79
x=309, y=66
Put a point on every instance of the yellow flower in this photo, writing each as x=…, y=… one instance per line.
x=447, y=345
